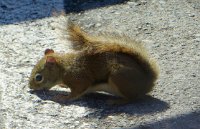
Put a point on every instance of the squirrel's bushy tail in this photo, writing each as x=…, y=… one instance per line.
x=79, y=38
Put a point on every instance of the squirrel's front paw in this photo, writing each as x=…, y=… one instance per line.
x=60, y=98
x=117, y=102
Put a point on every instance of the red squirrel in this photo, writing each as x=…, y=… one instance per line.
x=107, y=62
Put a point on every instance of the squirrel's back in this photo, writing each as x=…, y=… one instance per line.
x=116, y=43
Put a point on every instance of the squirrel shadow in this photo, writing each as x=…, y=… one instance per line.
x=184, y=121
x=97, y=101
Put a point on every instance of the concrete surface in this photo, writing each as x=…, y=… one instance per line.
x=170, y=30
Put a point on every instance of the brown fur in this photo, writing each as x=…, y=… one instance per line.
x=113, y=43
x=117, y=60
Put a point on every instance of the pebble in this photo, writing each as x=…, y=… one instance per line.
x=197, y=39
x=98, y=25
x=197, y=35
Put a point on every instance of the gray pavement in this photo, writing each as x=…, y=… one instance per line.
x=170, y=30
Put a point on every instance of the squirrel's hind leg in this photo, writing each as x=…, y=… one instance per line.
x=128, y=84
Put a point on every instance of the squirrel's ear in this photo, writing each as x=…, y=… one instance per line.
x=50, y=61
x=48, y=51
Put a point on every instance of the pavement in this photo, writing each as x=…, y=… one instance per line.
x=170, y=30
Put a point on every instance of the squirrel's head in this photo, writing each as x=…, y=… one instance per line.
x=46, y=72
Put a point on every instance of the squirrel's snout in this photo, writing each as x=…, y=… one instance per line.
x=30, y=84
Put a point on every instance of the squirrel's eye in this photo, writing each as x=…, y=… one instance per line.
x=39, y=78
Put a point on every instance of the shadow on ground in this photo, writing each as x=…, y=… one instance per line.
x=82, y=5
x=13, y=11
x=97, y=101
x=184, y=121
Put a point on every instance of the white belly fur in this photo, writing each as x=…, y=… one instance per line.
x=102, y=87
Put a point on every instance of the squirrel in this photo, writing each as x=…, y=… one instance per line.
x=109, y=62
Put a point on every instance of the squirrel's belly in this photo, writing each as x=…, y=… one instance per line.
x=103, y=87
